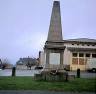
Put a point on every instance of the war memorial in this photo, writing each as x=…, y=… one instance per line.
x=58, y=59
x=60, y=55
x=71, y=53
x=54, y=46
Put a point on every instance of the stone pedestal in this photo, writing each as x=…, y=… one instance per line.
x=55, y=48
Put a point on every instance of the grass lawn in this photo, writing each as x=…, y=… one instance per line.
x=28, y=83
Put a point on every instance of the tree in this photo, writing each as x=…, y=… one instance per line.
x=5, y=63
x=0, y=63
x=31, y=62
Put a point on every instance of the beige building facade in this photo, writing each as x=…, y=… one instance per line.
x=78, y=52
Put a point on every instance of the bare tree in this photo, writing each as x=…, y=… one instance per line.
x=31, y=62
x=5, y=63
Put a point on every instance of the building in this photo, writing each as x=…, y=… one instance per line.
x=78, y=51
x=25, y=63
x=59, y=53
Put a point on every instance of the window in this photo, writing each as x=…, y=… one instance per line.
x=77, y=44
x=81, y=54
x=75, y=61
x=87, y=55
x=74, y=54
x=94, y=55
x=82, y=44
x=81, y=61
x=72, y=44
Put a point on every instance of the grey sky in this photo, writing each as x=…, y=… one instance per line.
x=24, y=24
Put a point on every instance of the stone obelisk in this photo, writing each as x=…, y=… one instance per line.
x=55, y=28
x=54, y=44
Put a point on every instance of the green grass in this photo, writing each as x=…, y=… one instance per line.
x=28, y=83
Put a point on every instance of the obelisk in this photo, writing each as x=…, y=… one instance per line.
x=54, y=46
x=55, y=28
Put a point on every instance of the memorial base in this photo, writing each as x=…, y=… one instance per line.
x=52, y=75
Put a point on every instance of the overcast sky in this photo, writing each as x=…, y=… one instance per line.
x=24, y=24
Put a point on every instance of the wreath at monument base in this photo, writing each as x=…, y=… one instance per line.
x=54, y=72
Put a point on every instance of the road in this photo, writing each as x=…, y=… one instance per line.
x=84, y=74
x=40, y=92
x=8, y=72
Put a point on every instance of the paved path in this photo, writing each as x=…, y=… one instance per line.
x=39, y=92
x=84, y=74
x=8, y=72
